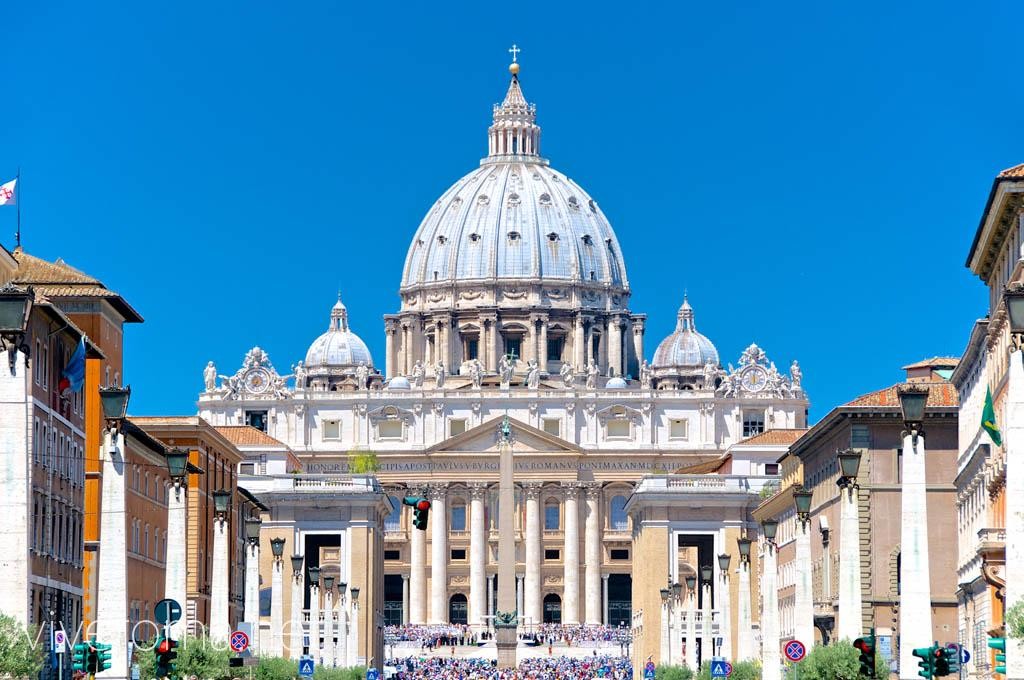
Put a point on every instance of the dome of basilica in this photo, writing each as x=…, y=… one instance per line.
x=515, y=219
x=339, y=347
x=685, y=347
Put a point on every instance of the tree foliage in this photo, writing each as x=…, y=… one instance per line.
x=20, y=655
x=838, y=661
x=673, y=673
x=362, y=463
x=1015, y=621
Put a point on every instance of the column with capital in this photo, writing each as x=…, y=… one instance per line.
x=592, y=547
x=494, y=338
x=542, y=347
x=390, y=366
x=638, y=338
x=417, y=571
x=477, y=553
x=519, y=595
x=615, y=346
x=406, y=348
x=571, y=563
x=532, y=583
x=295, y=619
x=314, y=614
x=438, y=554
x=578, y=345
x=745, y=634
x=405, y=599
x=604, y=596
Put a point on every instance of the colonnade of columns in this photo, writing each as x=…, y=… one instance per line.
x=438, y=338
x=530, y=588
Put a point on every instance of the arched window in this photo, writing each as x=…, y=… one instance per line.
x=619, y=521
x=394, y=520
x=552, y=608
x=458, y=521
x=551, y=515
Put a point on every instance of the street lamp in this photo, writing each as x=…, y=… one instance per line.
x=802, y=500
x=665, y=594
x=913, y=399
x=277, y=547
x=177, y=465
x=706, y=572
x=743, y=545
x=677, y=589
x=221, y=502
x=724, y=560
x=355, y=594
x=15, y=309
x=849, y=466
x=1013, y=296
x=314, y=575
x=296, y=564
x=691, y=583
x=328, y=582
x=114, y=401
x=769, y=527
x=252, y=530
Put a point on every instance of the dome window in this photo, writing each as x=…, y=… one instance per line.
x=545, y=199
x=482, y=199
x=513, y=200
x=574, y=204
x=436, y=274
x=608, y=242
x=587, y=241
x=442, y=240
x=593, y=206
x=552, y=237
x=474, y=237
x=593, y=275
x=513, y=236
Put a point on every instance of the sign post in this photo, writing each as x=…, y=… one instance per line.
x=795, y=650
x=649, y=670
x=306, y=667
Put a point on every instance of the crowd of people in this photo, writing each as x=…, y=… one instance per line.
x=555, y=633
x=547, y=668
x=430, y=637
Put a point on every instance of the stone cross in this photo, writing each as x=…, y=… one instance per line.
x=514, y=51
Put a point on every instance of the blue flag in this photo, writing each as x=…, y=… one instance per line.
x=73, y=374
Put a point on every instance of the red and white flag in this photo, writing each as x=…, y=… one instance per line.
x=7, y=195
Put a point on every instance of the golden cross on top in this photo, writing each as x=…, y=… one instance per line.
x=514, y=51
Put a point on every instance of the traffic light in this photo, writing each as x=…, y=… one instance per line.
x=80, y=657
x=866, y=647
x=420, y=509
x=102, y=655
x=165, y=656
x=926, y=665
x=999, y=644
x=941, y=661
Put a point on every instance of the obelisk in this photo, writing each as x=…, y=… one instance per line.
x=506, y=618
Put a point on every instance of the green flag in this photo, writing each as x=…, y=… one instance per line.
x=988, y=419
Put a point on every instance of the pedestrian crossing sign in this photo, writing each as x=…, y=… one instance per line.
x=719, y=669
x=306, y=667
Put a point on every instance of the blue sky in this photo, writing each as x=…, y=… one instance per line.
x=812, y=173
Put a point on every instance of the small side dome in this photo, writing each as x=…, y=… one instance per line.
x=615, y=383
x=685, y=348
x=339, y=347
x=399, y=382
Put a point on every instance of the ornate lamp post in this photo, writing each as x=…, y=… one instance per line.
x=330, y=655
x=691, y=622
x=707, y=640
x=803, y=605
x=314, y=614
x=251, y=612
x=295, y=618
x=725, y=633
x=219, y=622
x=277, y=597
x=915, y=590
x=772, y=668
x=175, y=549
x=850, y=604
x=1013, y=447
x=670, y=631
x=353, y=656
x=745, y=643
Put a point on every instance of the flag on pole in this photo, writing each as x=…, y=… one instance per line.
x=73, y=375
x=988, y=419
x=7, y=192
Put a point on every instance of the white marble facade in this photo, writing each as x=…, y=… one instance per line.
x=514, y=261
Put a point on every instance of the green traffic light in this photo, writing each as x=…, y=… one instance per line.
x=79, y=657
x=999, y=644
x=926, y=665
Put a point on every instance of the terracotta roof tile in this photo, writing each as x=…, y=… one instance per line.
x=59, y=279
x=775, y=437
x=939, y=362
x=940, y=393
x=246, y=435
x=153, y=421
x=1015, y=171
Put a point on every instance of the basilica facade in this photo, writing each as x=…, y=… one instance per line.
x=514, y=301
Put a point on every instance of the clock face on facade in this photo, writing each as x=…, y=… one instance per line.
x=754, y=379
x=257, y=380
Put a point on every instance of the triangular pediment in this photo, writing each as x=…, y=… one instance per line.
x=484, y=438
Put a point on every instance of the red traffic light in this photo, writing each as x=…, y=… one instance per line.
x=864, y=645
x=164, y=646
x=423, y=504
